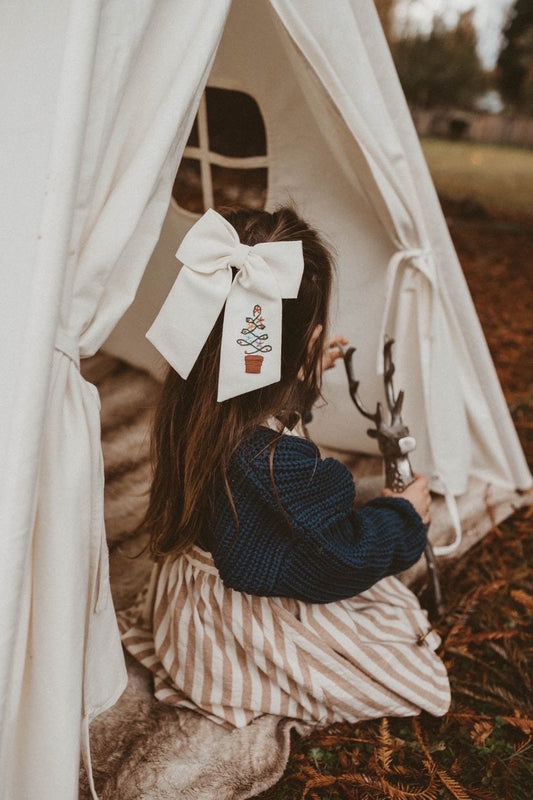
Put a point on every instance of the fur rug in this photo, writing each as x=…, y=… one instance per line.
x=142, y=749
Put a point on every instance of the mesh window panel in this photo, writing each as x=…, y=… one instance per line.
x=187, y=190
x=239, y=187
x=236, y=127
x=235, y=130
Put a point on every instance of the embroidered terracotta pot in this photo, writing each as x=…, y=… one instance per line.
x=253, y=363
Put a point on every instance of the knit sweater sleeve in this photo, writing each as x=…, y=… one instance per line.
x=307, y=540
x=339, y=551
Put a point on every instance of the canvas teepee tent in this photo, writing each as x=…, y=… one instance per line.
x=96, y=115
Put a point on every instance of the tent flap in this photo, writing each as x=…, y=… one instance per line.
x=121, y=170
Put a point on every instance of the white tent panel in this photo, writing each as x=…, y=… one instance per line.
x=110, y=162
x=40, y=161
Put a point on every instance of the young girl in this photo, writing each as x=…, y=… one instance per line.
x=270, y=593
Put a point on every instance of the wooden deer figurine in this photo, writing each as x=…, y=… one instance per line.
x=394, y=443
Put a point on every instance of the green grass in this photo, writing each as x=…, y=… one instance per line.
x=500, y=178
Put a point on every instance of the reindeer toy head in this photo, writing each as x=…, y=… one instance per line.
x=393, y=438
x=395, y=444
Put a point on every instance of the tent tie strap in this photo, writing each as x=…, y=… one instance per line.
x=420, y=258
x=455, y=518
x=68, y=346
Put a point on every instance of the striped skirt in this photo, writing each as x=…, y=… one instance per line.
x=233, y=656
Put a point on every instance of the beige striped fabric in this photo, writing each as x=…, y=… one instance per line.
x=233, y=656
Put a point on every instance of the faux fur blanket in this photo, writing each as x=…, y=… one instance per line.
x=142, y=749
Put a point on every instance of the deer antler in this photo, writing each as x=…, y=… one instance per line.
x=353, y=387
x=394, y=403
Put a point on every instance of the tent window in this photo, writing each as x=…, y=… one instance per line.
x=225, y=160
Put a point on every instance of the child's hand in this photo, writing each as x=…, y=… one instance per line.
x=418, y=495
x=332, y=352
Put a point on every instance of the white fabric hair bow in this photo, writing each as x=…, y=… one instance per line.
x=251, y=336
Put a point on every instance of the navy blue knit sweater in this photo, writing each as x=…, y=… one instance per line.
x=302, y=537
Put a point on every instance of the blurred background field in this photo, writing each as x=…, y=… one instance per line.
x=495, y=177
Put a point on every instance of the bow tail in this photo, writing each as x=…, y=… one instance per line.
x=251, y=340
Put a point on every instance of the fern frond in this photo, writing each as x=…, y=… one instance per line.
x=481, y=731
x=385, y=748
x=390, y=790
x=522, y=723
x=319, y=781
x=453, y=786
x=523, y=598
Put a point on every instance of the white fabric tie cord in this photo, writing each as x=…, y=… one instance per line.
x=250, y=355
x=455, y=519
x=68, y=346
x=419, y=258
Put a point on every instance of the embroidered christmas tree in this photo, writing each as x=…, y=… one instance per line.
x=254, y=341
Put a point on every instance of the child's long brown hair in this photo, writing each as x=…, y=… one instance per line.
x=194, y=437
